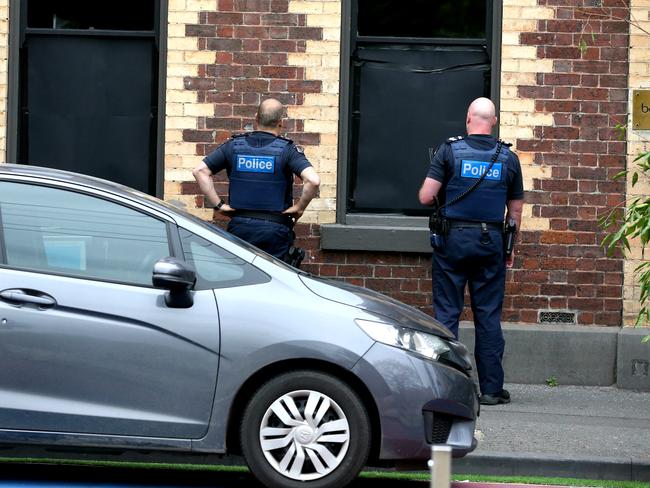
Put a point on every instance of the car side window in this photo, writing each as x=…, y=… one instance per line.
x=63, y=232
x=215, y=267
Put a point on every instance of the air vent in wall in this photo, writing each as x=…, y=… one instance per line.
x=555, y=317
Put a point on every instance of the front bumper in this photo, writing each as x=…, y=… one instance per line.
x=420, y=402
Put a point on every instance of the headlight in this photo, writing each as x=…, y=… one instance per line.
x=421, y=343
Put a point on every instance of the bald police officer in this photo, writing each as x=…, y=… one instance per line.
x=469, y=250
x=261, y=166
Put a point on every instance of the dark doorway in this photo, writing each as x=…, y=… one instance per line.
x=89, y=88
x=415, y=66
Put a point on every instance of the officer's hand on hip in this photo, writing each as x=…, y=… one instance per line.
x=225, y=209
x=510, y=260
x=295, y=212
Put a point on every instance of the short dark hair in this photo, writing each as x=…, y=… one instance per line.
x=269, y=114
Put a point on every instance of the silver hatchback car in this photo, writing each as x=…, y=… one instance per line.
x=126, y=323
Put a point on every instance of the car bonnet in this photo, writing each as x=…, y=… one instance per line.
x=375, y=303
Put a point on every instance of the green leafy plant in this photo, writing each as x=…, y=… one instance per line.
x=632, y=221
x=552, y=381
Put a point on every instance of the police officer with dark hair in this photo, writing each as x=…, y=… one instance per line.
x=471, y=183
x=261, y=166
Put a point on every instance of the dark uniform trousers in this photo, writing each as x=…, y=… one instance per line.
x=473, y=257
x=272, y=237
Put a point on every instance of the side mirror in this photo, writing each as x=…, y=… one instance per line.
x=173, y=275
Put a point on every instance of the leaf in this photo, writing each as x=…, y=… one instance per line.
x=620, y=175
x=583, y=46
x=631, y=220
x=606, y=241
x=641, y=156
x=622, y=131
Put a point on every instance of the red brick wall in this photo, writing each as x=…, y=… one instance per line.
x=251, y=40
x=562, y=268
x=405, y=276
x=565, y=267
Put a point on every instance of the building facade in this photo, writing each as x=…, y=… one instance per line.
x=369, y=86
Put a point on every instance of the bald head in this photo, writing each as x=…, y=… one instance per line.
x=481, y=116
x=269, y=115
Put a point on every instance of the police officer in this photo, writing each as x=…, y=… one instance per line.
x=470, y=249
x=260, y=166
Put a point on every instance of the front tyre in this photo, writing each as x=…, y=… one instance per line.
x=305, y=429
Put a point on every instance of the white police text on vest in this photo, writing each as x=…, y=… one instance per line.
x=255, y=164
x=476, y=169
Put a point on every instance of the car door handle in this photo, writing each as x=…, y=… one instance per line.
x=18, y=296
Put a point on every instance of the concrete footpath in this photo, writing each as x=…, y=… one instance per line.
x=564, y=431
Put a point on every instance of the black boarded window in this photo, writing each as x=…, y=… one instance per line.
x=415, y=66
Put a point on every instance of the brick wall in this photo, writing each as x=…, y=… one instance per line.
x=224, y=57
x=558, y=106
x=405, y=276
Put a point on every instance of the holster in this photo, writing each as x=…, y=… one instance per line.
x=509, y=231
x=294, y=256
x=439, y=227
x=438, y=224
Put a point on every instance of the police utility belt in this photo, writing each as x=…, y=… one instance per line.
x=278, y=218
x=467, y=224
x=440, y=225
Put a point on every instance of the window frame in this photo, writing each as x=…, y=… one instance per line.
x=173, y=242
x=375, y=231
x=17, y=30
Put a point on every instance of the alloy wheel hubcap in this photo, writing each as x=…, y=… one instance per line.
x=304, y=435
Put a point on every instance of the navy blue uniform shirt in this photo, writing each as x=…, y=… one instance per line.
x=442, y=166
x=222, y=158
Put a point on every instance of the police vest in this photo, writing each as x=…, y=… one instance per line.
x=258, y=180
x=487, y=202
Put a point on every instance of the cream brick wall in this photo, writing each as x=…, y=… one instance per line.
x=182, y=107
x=321, y=61
x=638, y=141
x=519, y=66
x=4, y=50
x=319, y=110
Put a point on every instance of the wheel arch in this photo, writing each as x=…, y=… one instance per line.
x=256, y=380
